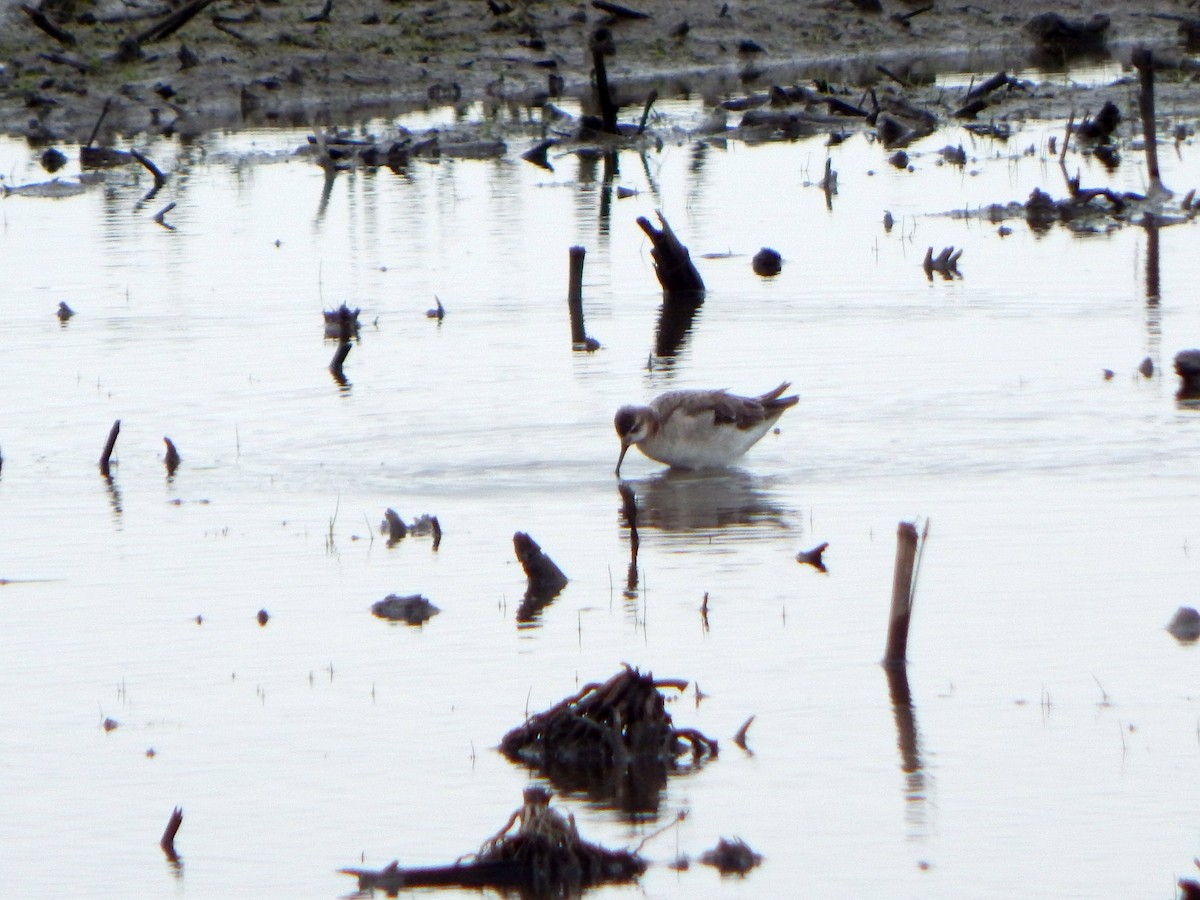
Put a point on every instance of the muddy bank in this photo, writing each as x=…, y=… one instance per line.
x=243, y=63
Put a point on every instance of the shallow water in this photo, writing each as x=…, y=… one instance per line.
x=1056, y=723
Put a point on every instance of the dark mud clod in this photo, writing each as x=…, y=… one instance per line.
x=341, y=324
x=394, y=526
x=731, y=857
x=1185, y=625
x=543, y=857
x=1187, y=367
x=767, y=262
x=813, y=557
x=412, y=610
x=172, y=458
x=1052, y=33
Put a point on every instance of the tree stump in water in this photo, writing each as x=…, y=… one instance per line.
x=672, y=262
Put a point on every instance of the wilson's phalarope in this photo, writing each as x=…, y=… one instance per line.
x=699, y=429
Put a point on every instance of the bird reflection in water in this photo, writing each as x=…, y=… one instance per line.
x=682, y=501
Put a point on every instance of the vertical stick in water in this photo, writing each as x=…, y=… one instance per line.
x=1143, y=59
x=902, y=587
x=108, y=447
x=575, y=295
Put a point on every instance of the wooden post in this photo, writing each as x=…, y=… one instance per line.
x=575, y=295
x=902, y=587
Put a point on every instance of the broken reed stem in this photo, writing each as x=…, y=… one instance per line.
x=575, y=295
x=108, y=447
x=650, y=98
x=172, y=457
x=1143, y=60
x=902, y=587
x=168, y=839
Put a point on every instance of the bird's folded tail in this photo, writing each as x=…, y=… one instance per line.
x=773, y=401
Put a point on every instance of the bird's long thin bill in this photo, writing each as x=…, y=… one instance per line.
x=621, y=458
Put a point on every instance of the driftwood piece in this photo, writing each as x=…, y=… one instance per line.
x=168, y=839
x=619, y=11
x=544, y=856
x=44, y=23
x=813, y=557
x=672, y=262
x=168, y=25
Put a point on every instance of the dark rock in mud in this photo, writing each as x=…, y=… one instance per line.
x=1052, y=32
x=1185, y=625
x=1187, y=367
x=412, y=610
x=731, y=857
x=767, y=262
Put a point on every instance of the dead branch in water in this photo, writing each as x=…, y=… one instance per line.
x=108, y=447
x=544, y=857
x=168, y=25
x=42, y=22
x=168, y=839
x=672, y=263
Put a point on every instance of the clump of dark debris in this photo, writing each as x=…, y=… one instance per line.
x=538, y=852
x=613, y=740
